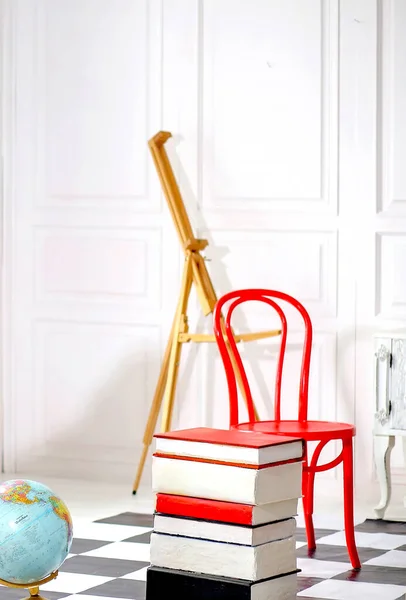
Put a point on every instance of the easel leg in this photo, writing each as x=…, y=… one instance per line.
x=174, y=357
x=173, y=370
x=167, y=377
x=154, y=412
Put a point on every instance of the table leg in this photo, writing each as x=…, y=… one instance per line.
x=404, y=462
x=383, y=445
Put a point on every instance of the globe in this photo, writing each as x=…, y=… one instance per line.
x=35, y=531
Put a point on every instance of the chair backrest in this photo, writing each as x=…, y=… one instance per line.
x=228, y=349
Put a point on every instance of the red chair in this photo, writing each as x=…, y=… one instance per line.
x=320, y=431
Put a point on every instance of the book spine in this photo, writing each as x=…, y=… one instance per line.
x=210, y=510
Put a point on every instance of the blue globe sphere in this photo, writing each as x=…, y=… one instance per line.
x=35, y=531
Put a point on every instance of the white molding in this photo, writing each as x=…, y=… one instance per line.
x=388, y=205
x=8, y=93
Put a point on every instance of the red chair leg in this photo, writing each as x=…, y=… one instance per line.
x=308, y=495
x=349, y=503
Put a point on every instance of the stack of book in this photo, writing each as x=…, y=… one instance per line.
x=224, y=524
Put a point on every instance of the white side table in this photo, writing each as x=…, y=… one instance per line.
x=390, y=408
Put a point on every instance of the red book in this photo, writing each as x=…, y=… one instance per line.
x=224, y=512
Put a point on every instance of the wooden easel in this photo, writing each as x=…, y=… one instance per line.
x=194, y=273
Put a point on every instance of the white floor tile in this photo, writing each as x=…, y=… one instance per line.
x=333, y=589
x=106, y=532
x=140, y=575
x=333, y=519
x=322, y=521
x=123, y=550
x=381, y=541
x=393, y=558
x=74, y=583
x=300, y=544
x=86, y=597
x=324, y=569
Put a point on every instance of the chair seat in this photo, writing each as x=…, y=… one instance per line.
x=309, y=430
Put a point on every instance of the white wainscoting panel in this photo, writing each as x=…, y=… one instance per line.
x=300, y=263
x=93, y=59
x=99, y=266
x=269, y=97
x=91, y=386
x=392, y=98
x=391, y=275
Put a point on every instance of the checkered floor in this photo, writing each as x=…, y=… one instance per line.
x=109, y=558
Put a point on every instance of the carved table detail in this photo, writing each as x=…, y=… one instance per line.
x=390, y=409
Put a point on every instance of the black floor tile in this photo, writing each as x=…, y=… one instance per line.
x=319, y=533
x=79, y=545
x=306, y=582
x=144, y=538
x=107, y=567
x=120, y=588
x=129, y=518
x=374, y=574
x=380, y=526
x=337, y=553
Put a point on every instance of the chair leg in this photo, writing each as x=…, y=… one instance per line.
x=349, y=503
x=308, y=503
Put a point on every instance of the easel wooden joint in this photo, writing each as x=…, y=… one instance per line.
x=195, y=274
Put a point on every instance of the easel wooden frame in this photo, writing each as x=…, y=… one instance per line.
x=194, y=273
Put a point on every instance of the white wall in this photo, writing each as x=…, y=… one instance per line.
x=288, y=126
x=90, y=258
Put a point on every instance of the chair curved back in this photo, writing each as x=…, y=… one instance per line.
x=229, y=351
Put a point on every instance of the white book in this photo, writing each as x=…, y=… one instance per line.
x=224, y=532
x=232, y=483
x=252, y=563
x=273, y=453
x=279, y=588
x=275, y=511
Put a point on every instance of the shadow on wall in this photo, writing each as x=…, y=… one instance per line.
x=222, y=284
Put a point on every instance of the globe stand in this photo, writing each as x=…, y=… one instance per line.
x=33, y=588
